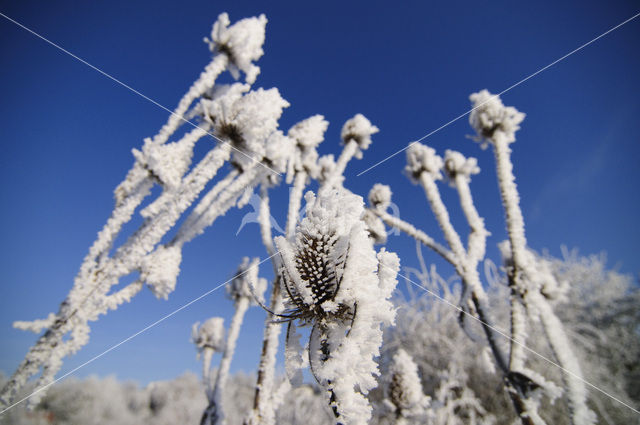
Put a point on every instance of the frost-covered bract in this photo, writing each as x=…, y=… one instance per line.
x=336, y=283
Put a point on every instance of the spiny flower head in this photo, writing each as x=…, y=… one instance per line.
x=489, y=115
x=249, y=122
x=313, y=264
x=241, y=42
x=456, y=164
x=405, y=389
x=246, y=283
x=421, y=158
x=380, y=196
x=306, y=135
x=359, y=129
x=210, y=335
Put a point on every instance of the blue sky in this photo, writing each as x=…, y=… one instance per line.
x=67, y=132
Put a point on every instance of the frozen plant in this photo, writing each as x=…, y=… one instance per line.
x=244, y=122
x=336, y=283
x=244, y=286
x=208, y=339
x=302, y=164
x=532, y=285
x=404, y=391
x=530, y=279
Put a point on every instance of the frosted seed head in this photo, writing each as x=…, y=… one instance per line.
x=420, y=159
x=246, y=283
x=160, y=270
x=360, y=130
x=380, y=196
x=456, y=164
x=209, y=335
x=309, y=133
x=250, y=123
x=241, y=42
x=489, y=115
x=313, y=263
x=326, y=165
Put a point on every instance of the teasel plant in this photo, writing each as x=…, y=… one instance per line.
x=304, y=165
x=208, y=338
x=404, y=395
x=243, y=123
x=532, y=284
x=335, y=283
x=304, y=137
x=531, y=287
x=245, y=289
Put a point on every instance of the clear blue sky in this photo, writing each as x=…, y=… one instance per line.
x=67, y=132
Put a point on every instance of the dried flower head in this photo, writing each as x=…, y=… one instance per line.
x=241, y=42
x=380, y=196
x=489, y=115
x=421, y=158
x=312, y=266
x=360, y=130
x=160, y=270
x=455, y=164
x=405, y=390
x=209, y=335
x=246, y=283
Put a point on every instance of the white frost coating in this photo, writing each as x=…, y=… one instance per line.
x=167, y=162
x=160, y=270
x=358, y=129
x=375, y=227
x=405, y=390
x=421, y=158
x=490, y=115
x=157, y=162
x=380, y=196
x=332, y=246
x=356, y=136
x=209, y=335
x=246, y=283
x=455, y=164
x=208, y=339
x=248, y=122
x=218, y=206
x=295, y=356
x=307, y=135
x=428, y=181
x=417, y=234
x=295, y=198
x=241, y=43
x=529, y=278
x=309, y=132
x=203, y=84
x=35, y=326
x=240, y=291
x=477, y=240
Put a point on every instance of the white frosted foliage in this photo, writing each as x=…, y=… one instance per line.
x=246, y=284
x=490, y=115
x=380, y=196
x=241, y=42
x=421, y=158
x=358, y=129
x=455, y=164
x=405, y=390
x=160, y=270
x=209, y=335
x=331, y=246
